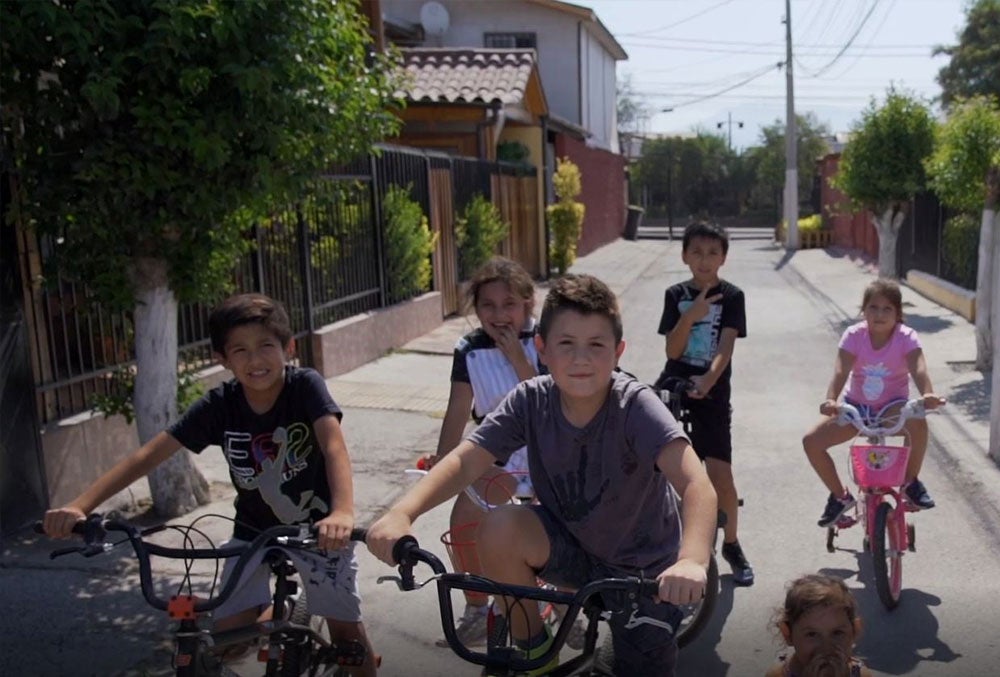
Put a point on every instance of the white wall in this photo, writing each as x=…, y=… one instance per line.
x=563, y=57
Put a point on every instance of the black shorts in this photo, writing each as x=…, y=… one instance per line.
x=711, y=428
x=642, y=650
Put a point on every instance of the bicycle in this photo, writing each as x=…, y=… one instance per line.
x=293, y=642
x=696, y=616
x=598, y=600
x=879, y=470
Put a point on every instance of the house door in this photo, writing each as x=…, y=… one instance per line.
x=23, y=496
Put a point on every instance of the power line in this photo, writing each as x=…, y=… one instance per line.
x=706, y=97
x=678, y=23
x=848, y=43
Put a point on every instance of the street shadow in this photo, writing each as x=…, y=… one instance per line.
x=701, y=657
x=895, y=642
x=927, y=324
x=973, y=397
x=786, y=257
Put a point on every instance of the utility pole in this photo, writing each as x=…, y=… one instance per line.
x=791, y=202
x=729, y=123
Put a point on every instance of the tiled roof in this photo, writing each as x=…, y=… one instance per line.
x=467, y=75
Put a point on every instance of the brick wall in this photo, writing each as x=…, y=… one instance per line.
x=853, y=230
x=603, y=178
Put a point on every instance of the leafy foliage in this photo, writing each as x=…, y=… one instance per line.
x=960, y=244
x=974, y=66
x=882, y=164
x=409, y=244
x=140, y=127
x=631, y=111
x=118, y=401
x=566, y=215
x=767, y=160
x=966, y=146
x=478, y=232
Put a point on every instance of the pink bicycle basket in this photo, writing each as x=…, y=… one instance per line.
x=879, y=465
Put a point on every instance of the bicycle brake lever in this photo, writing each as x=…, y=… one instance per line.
x=401, y=585
x=634, y=621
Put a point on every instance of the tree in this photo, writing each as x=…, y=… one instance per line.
x=882, y=168
x=631, y=112
x=769, y=159
x=974, y=65
x=964, y=171
x=141, y=128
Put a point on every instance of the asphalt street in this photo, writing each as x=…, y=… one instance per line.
x=86, y=617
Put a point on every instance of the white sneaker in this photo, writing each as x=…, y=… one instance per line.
x=471, y=627
x=577, y=635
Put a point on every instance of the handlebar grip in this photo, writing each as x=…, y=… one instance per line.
x=401, y=549
x=649, y=587
x=359, y=534
x=80, y=528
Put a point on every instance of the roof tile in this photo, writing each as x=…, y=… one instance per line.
x=467, y=75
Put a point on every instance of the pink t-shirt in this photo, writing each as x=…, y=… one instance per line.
x=879, y=376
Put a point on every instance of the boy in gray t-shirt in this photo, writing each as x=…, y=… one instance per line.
x=601, y=450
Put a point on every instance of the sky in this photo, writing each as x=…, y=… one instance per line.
x=684, y=54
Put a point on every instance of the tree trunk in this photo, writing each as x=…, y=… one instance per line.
x=986, y=289
x=992, y=281
x=177, y=487
x=887, y=225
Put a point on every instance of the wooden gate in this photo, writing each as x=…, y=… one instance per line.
x=446, y=253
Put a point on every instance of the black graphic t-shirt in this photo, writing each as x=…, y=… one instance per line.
x=600, y=481
x=703, y=341
x=274, y=458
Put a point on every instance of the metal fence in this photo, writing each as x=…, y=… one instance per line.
x=322, y=257
x=921, y=242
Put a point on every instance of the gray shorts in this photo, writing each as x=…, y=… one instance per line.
x=330, y=582
x=642, y=650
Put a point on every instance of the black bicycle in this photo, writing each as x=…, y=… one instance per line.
x=292, y=642
x=674, y=393
x=597, y=601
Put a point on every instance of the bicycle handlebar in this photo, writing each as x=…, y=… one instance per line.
x=407, y=552
x=95, y=528
x=848, y=413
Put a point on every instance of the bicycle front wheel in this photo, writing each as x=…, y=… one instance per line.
x=887, y=555
x=696, y=615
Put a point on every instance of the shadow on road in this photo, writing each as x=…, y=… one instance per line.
x=973, y=397
x=925, y=324
x=701, y=656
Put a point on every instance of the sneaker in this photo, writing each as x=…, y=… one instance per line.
x=742, y=571
x=835, y=509
x=577, y=635
x=917, y=494
x=471, y=627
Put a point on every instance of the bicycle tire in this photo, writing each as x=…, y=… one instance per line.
x=888, y=563
x=295, y=651
x=697, y=615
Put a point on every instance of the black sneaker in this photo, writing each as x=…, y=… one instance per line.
x=835, y=508
x=742, y=571
x=917, y=494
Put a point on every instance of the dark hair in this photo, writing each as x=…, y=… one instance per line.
x=500, y=269
x=586, y=295
x=708, y=230
x=816, y=590
x=889, y=290
x=243, y=309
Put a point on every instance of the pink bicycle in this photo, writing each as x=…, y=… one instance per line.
x=879, y=470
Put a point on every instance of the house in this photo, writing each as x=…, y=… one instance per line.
x=576, y=61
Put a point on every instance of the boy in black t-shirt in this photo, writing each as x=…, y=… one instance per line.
x=702, y=318
x=280, y=431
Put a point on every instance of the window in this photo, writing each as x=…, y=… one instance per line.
x=510, y=40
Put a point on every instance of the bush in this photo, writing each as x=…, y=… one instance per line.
x=810, y=224
x=409, y=244
x=478, y=232
x=961, y=249
x=565, y=216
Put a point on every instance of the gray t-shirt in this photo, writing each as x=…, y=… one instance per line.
x=600, y=481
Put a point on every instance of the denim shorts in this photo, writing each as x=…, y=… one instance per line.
x=330, y=581
x=643, y=650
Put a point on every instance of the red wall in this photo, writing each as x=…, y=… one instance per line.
x=602, y=175
x=853, y=230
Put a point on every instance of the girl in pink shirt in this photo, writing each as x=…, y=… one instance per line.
x=876, y=358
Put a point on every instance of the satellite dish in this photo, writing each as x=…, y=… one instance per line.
x=434, y=18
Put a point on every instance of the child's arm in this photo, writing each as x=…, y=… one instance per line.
x=456, y=416
x=457, y=470
x=334, y=530
x=918, y=369
x=677, y=339
x=705, y=382
x=59, y=522
x=841, y=370
x=684, y=582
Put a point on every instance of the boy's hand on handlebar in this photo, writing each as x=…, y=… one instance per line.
x=683, y=583
x=932, y=401
x=59, y=523
x=383, y=534
x=699, y=387
x=333, y=532
x=828, y=408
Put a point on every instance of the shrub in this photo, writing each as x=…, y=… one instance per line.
x=810, y=224
x=478, y=232
x=409, y=244
x=961, y=249
x=565, y=216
